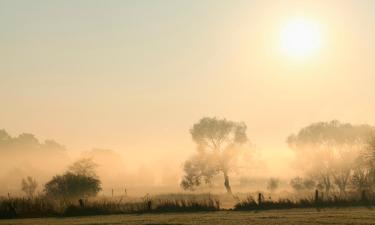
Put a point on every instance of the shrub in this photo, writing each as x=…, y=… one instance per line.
x=70, y=186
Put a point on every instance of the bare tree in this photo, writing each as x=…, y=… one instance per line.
x=361, y=179
x=29, y=186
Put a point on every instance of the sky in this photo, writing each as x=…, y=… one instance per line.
x=134, y=76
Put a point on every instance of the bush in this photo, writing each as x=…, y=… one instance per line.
x=70, y=186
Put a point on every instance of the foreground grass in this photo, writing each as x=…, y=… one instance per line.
x=360, y=216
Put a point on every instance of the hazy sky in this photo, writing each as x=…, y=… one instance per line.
x=135, y=75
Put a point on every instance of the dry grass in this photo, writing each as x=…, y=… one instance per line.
x=44, y=207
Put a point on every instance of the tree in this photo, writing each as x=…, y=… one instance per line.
x=217, y=141
x=363, y=177
x=70, y=186
x=330, y=150
x=273, y=184
x=29, y=186
x=302, y=184
x=79, y=181
x=84, y=167
x=309, y=183
x=297, y=184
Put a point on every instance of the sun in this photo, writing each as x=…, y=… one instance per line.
x=300, y=38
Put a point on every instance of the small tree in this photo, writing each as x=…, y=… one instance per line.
x=85, y=167
x=80, y=181
x=273, y=184
x=70, y=186
x=29, y=186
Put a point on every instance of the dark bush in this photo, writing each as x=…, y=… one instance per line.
x=71, y=186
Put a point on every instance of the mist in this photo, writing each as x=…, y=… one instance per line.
x=326, y=155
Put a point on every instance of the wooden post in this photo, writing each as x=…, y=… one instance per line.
x=363, y=196
x=259, y=199
x=316, y=196
x=81, y=203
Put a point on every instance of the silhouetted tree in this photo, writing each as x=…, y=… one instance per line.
x=29, y=186
x=70, y=186
x=79, y=181
x=217, y=143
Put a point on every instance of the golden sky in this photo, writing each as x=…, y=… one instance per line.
x=135, y=75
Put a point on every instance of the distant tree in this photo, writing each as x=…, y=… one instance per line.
x=297, y=184
x=273, y=184
x=217, y=143
x=29, y=186
x=309, y=183
x=85, y=167
x=70, y=186
x=330, y=149
x=361, y=179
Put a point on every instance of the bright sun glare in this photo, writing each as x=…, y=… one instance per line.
x=300, y=38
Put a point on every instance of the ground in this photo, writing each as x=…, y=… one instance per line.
x=351, y=216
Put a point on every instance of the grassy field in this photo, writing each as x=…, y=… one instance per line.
x=291, y=216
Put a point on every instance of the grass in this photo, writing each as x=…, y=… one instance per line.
x=172, y=203
x=332, y=216
x=44, y=207
x=250, y=204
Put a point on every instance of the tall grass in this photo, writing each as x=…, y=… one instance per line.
x=44, y=207
x=332, y=201
x=23, y=207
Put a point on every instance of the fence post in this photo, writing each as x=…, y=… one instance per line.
x=259, y=199
x=363, y=196
x=316, y=196
x=81, y=203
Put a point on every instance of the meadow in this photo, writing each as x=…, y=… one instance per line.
x=357, y=215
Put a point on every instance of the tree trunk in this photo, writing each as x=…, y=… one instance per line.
x=226, y=182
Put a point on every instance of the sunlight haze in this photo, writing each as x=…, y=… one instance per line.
x=134, y=76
